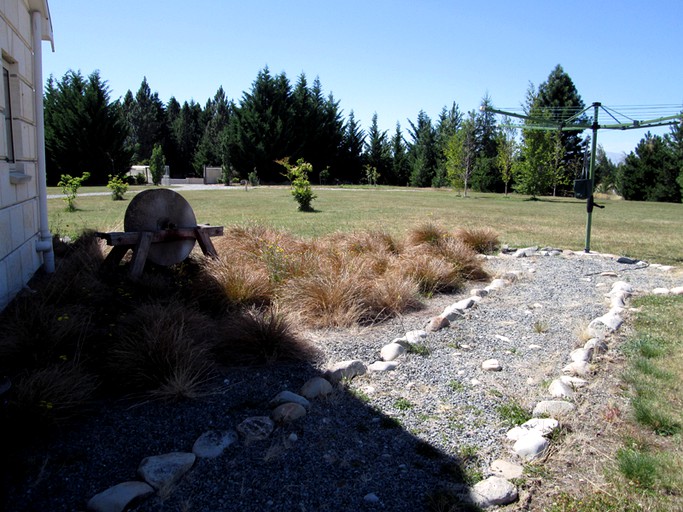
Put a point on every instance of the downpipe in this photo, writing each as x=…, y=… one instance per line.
x=44, y=244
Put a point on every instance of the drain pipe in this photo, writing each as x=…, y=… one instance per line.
x=43, y=245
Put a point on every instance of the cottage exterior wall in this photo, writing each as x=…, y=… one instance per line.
x=19, y=188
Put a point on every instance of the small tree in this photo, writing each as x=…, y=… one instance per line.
x=371, y=175
x=157, y=164
x=118, y=187
x=507, y=152
x=461, y=153
x=301, y=187
x=70, y=186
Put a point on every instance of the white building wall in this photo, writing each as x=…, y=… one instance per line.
x=19, y=203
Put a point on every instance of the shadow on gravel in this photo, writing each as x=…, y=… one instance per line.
x=343, y=455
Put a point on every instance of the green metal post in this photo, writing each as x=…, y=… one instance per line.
x=591, y=176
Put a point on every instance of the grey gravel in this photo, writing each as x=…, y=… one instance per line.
x=382, y=441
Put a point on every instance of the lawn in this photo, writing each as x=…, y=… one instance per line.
x=649, y=231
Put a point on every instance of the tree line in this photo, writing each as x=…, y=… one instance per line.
x=87, y=131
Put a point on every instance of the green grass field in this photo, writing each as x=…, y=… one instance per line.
x=649, y=231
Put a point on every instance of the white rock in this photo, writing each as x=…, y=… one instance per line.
x=559, y=389
x=464, y=304
x=213, y=443
x=660, y=291
x=492, y=492
x=599, y=346
x=256, y=428
x=525, y=253
x=622, y=286
x=392, y=351
x=533, y=346
x=284, y=397
x=577, y=368
x=287, y=413
x=506, y=469
x=543, y=426
x=496, y=284
x=677, y=290
x=415, y=336
x=605, y=324
x=371, y=498
x=574, y=382
x=383, y=366
x=553, y=408
x=316, y=387
x=402, y=341
x=452, y=313
x=531, y=446
x=118, y=497
x=479, y=292
x=162, y=471
x=617, y=301
x=581, y=354
x=437, y=323
x=502, y=338
x=491, y=365
x=475, y=382
x=346, y=370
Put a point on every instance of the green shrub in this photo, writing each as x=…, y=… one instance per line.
x=70, y=186
x=118, y=187
x=301, y=187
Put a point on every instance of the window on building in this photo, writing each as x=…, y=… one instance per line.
x=9, y=134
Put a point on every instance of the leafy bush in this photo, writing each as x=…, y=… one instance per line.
x=301, y=187
x=70, y=186
x=118, y=187
x=253, y=180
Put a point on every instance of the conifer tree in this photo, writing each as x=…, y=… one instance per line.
x=84, y=130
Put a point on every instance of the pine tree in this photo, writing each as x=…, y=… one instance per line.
x=211, y=150
x=260, y=132
x=84, y=130
x=400, y=172
x=147, y=119
x=650, y=172
x=422, y=151
x=485, y=177
x=377, y=149
x=446, y=126
x=351, y=158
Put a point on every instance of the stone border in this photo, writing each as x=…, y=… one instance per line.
x=159, y=473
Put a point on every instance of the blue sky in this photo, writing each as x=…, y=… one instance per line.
x=394, y=58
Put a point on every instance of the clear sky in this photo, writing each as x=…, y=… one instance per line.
x=394, y=58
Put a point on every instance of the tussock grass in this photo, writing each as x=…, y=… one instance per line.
x=483, y=240
x=261, y=336
x=54, y=394
x=163, y=348
x=339, y=280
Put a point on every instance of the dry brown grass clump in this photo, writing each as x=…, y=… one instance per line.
x=36, y=333
x=260, y=336
x=164, y=349
x=426, y=233
x=54, y=394
x=341, y=279
x=482, y=240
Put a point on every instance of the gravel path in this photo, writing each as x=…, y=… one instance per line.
x=385, y=441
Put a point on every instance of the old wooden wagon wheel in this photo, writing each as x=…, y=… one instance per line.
x=160, y=226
